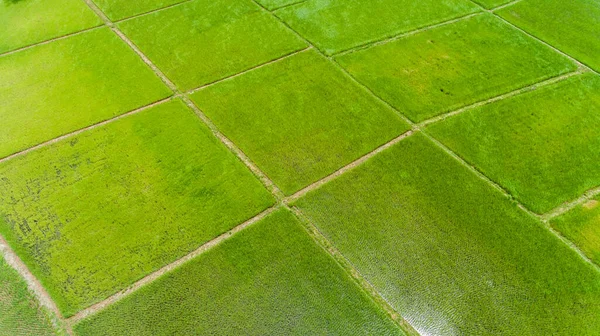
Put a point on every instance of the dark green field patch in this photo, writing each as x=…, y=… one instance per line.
x=57, y=88
x=582, y=226
x=93, y=213
x=27, y=22
x=309, y=121
x=270, y=279
x=542, y=146
x=338, y=25
x=449, y=67
x=449, y=252
x=571, y=26
x=20, y=313
x=205, y=40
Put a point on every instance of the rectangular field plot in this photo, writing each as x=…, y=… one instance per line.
x=57, y=88
x=205, y=40
x=452, y=66
x=571, y=26
x=26, y=22
x=338, y=25
x=309, y=121
x=20, y=313
x=121, y=9
x=270, y=279
x=582, y=226
x=451, y=253
x=542, y=146
x=95, y=212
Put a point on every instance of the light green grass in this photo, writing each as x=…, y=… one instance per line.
x=490, y=4
x=543, y=146
x=57, y=88
x=26, y=22
x=20, y=313
x=274, y=4
x=204, y=40
x=452, y=66
x=451, y=253
x=582, y=226
x=309, y=121
x=571, y=26
x=337, y=25
x=121, y=9
x=96, y=212
x=270, y=279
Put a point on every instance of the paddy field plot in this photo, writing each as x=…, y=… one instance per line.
x=270, y=279
x=91, y=214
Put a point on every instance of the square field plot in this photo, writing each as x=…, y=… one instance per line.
x=121, y=9
x=63, y=86
x=449, y=252
x=310, y=120
x=337, y=25
x=543, y=146
x=572, y=26
x=20, y=313
x=582, y=226
x=205, y=40
x=443, y=69
x=95, y=212
x=270, y=279
x=26, y=22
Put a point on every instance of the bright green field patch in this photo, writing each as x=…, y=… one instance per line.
x=205, y=40
x=571, y=26
x=543, y=146
x=582, y=226
x=20, y=313
x=121, y=9
x=490, y=4
x=66, y=85
x=451, y=253
x=274, y=4
x=309, y=121
x=270, y=279
x=337, y=25
x=26, y=22
x=93, y=213
x=446, y=68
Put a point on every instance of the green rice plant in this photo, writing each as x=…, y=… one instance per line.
x=26, y=22
x=274, y=4
x=66, y=85
x=337, y=25
x=270, y=279
x=571, y=26
x=453, y=255
x=93, y=213
x=542, y=146
x=307, y=122
x=121, y=9
x=446, y=68
x=203, y=41
x=490, y=4
x=20, y=313
x=581, y=225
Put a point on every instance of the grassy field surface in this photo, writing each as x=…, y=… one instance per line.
x=121, y=9
x=430, y=73
x=308, y=122
x=449, y=252
x=93, y=213
x=25, y=22
x=274, y=4
x=543, y=146
x=582, y=226
x=270, y=279
x=20, y=313
x=204, y=40
x=57, y=88
x=571, y=26
x=338, y=25
x=490, y=4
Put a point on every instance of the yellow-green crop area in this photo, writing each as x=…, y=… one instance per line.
x=300, y=167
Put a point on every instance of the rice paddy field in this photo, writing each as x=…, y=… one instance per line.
x=300, y=167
